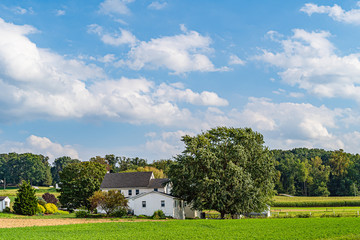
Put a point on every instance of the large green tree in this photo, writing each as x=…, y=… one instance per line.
x=224, y=169
x=25, y=201
x=78, y=183
x=59, y=165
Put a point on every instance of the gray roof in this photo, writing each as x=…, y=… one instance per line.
x=132, y=180
x=2, y=198
x=158, y=182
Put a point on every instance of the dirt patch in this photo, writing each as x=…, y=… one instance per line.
x=12, y=223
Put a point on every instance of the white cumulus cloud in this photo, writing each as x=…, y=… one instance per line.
x=308, y=60
x=40, y=145
x=335, y=12
x=115, y=39
x=181, y=53
x=37, y=84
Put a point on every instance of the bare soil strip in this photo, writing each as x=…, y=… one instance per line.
x=12, y=223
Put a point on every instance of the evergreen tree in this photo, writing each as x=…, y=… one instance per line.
x=25, y=201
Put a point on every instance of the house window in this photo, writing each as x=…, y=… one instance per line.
x=137, y=191
x=130, y=192
x=162, y=203
x=144, y=204
x=175, y=203
x=155, y=189
x=7, y=204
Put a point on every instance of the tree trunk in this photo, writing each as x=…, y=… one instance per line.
x=222, y=214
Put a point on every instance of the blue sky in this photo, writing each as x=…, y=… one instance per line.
x=130, y=77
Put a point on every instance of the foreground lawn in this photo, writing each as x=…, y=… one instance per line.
x=312, y=228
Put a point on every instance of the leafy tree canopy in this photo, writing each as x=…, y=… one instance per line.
x=109, y=201
x=78, y=183
x=224, y=169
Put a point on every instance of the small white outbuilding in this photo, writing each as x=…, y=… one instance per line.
x=148, y=203
x=4, y=202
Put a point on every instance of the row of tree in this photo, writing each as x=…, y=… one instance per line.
x=301, y=171
x=317, y=172
x=36, y=169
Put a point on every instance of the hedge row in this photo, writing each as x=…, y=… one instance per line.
x=318, y=204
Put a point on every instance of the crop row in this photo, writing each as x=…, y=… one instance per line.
x=338, y=203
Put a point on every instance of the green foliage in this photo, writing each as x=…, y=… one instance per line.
x=26, y=166
x=41, y=201
x=224, y=169
x=82, y=214
x=157, y=173
x=25, y=201
x=119, y=213
x=62, y=212
x=159, y=214
x=316, y=172
x=50, y=208
x=59, y=165
x=79, y=181
x=6, y=210
x=109, y=201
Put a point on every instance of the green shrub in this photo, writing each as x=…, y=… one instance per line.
x=119, y=213
x=142, y=216
x=41, y=201
x=305, y=215
x=159, y=214
x=7, y=210
x=50, y=208
x=82, y=214
x=62, y=212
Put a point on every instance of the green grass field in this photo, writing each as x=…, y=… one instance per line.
x=317, y=199
x=11, y=191
x=312, y=228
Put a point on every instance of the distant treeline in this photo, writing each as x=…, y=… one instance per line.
x=317, y=172
x=35, y=168
x=300, y=172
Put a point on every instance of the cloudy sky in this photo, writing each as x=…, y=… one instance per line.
x=130, y=77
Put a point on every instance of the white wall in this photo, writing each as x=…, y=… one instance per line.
x=153, y=203
x=125, y=191
x=5, y=203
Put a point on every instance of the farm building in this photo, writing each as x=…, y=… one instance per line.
x=4, y=202
x=146, y=194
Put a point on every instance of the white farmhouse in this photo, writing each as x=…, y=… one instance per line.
x=146, y=194
x=4, y=202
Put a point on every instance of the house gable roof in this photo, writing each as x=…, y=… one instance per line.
x=124, y=180
x=2, y=198
x=158, y=182
x=132, y=180
x=152, y=192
